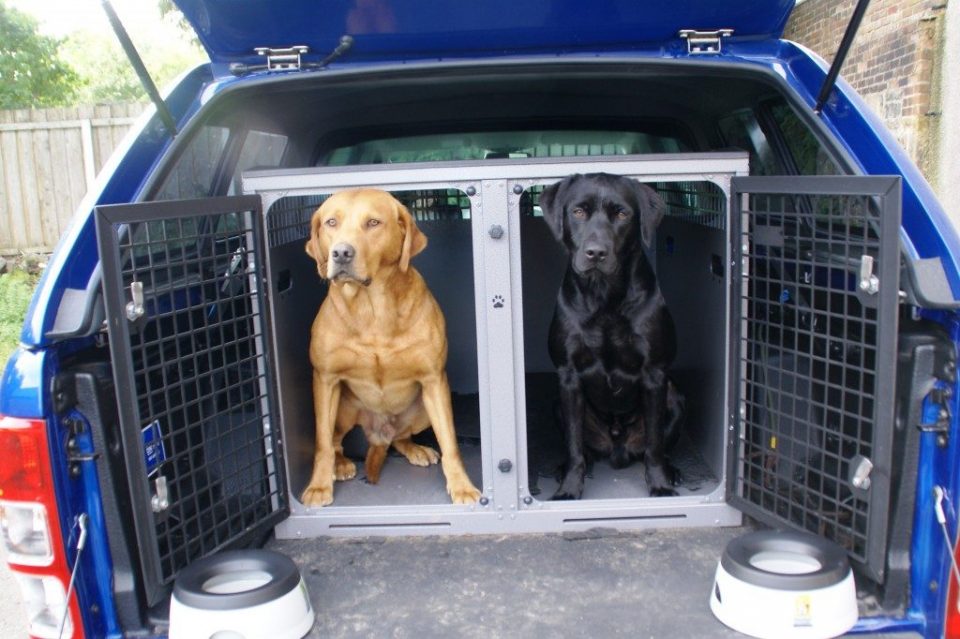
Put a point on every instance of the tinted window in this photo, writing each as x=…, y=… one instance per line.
x=741, y=130
x=808, y=154
x=260, y=151
x=196, y=168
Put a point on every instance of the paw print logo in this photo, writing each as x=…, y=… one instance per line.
x=498, y=301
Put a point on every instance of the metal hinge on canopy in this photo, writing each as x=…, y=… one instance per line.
x=283, y=59
x=699, y=42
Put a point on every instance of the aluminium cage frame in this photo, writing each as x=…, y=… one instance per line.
x=494, y=188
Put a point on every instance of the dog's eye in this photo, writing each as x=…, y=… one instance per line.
x=623, y=214
x=331, y=222
x=373, y=222
x=579, y=213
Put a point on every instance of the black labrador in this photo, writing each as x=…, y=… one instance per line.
x=612, y=336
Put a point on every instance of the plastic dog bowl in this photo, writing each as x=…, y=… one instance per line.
x=784, y=585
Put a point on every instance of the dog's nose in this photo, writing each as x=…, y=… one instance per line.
x=595, y=253
x=342, y=253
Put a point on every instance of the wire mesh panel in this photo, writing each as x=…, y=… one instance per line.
x=187, y=334
x=702, y=203
x=817, y=293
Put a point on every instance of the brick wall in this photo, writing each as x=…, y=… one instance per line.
x=894, y=63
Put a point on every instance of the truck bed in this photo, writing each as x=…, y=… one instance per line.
x=600, y=583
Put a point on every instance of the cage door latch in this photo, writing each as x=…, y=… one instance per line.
x=134, y=308
x=869, y=283
x=860, y=468
x=161, y=500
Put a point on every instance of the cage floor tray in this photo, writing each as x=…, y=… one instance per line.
x=403, y=483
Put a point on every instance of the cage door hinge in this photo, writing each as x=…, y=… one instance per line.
x=704, y=42
x=288, y=59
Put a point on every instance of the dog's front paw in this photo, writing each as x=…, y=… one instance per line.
x=674, y=474
x=463, y=493
x=572, y=485
x=662, y=491
x=344, y=469
x=317, y=496
x=660, y=478
x=421, y=455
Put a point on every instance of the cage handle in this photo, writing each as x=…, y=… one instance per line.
x=135, y=308
x=869, y=283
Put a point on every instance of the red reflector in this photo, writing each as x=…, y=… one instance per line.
x=22, y=455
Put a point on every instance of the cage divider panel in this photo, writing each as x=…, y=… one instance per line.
x=194, y=378
x=815, y=330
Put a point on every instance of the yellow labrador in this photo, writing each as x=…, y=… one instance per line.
x=378, y=345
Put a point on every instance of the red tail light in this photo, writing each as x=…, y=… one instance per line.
x=30, y=526
x=952, y=626
x=21, y=476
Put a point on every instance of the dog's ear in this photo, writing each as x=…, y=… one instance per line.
x=313, y=247
x=414, y=240
x=652, y=210
x=552, y=205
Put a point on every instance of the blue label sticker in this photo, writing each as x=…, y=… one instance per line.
x=153, y=451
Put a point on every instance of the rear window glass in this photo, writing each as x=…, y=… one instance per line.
x=505, y=144
x=809, y=155
x=741, y=130
x=196, y=168
x=260, y=151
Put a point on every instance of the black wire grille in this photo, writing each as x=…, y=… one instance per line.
x=699, y=202
x=289, y=217
x=197, y=418
x=816, y=345
x=702, y=203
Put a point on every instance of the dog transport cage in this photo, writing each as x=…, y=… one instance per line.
x=209, y=306
x=495, y=269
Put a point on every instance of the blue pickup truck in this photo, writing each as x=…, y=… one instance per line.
x=158, y=410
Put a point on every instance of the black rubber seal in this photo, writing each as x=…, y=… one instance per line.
x=834, y=565
x=188, y=588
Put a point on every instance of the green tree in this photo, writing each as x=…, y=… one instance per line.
x=31, y=71
x=107, y=75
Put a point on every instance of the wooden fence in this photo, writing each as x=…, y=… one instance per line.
x=48, y=160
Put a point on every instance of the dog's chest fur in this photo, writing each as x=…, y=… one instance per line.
x=604, y=352
x=384, y=380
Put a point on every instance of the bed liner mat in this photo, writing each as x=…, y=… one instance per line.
x=594, y=583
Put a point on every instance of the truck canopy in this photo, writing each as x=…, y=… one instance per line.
x=403, y=29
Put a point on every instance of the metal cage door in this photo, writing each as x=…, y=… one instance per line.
x=816, y=286
x=183, y=289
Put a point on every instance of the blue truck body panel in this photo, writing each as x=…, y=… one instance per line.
x=869, y=146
